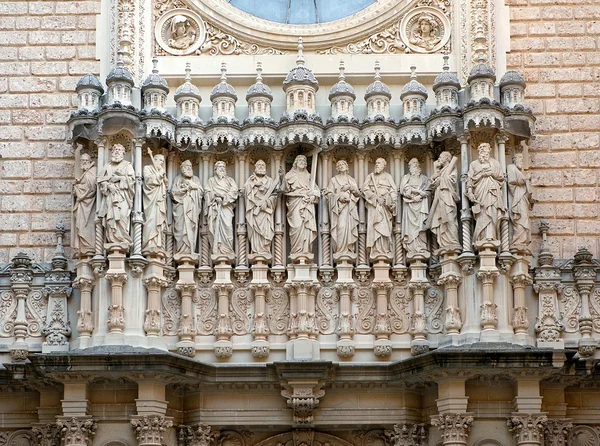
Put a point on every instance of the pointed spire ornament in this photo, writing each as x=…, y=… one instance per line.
x=377, y=68
x=259, y=72
x=223, y=73
x=342, y=76
x=300, y=58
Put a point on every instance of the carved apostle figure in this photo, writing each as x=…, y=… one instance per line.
x=116, y=182
x=84, y=191
x=444, y=212
x=301, y=196
x=155, y=204
x=380, y=194
x=519, y=191
x=221, y=192
x=261, y=198
x=343, y=194
x=484, y=189
x=414, y=189
x=186, y=194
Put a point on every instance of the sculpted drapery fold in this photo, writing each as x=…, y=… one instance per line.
x=443, y=213
x=186, y=194
x=155, y=203
x=301, y=197
x=117, y=187
x=380, y=194
x=221, y=192
x=414, y=189
x=342, y=194
x=261, y=199
x=520, y=202
x=84, y=191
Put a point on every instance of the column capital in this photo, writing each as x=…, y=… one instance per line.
x=149, y=430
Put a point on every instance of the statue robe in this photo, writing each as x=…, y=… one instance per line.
x=443, y=215
x=85, y=202
x=220, y=216
x=155, y=208
x=186, y=194
x=343, y=213
x=302, y=224
x=116, y=185
x=487, y=193
x=520, y=204
x=259, y=221
x=414, y=212
x=379, y=215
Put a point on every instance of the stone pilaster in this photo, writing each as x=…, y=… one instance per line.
x=77, y=431
x=527, y=429
x=149, y=430
x=585, y=274
x=454, y=428
x=418, y=285
x=117, y=276
x=450, y=279
x=21, y=276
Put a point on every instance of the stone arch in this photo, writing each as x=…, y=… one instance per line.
x=317, y=439
x=115, y=443
x=488, y=442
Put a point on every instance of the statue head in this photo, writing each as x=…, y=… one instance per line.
x=179, y=26
x=85, y=161
x=341, y=166
x=484, y=151
x=220, y=169
x=427, y=26
x=380, y=164
x=518, y=160
x=186, y=169
x=414, y=166
x=160, y=160
x=444, y=158
x=300, y=162
x=117, y=152
x=260, y=168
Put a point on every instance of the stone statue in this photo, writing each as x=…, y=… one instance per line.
x=221, y=192
x=186, y=194
x=84, y=191
x=343, y=194
x=302, y=195
x=484, y=189
x=443, y=214
x=261, y=198
x=380, y=194
x=414, y=189
x=116, y=182
x=155, y=204
x=183, y=34
x=519, y=191
x=425, y=33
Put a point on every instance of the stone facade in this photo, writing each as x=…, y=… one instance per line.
x=383, y=278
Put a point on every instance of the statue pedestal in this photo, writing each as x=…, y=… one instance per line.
x=345, y=286
x=450, y=279
x=223, y=346
x=487, y=274
x=382, y=347
x=418, y=285
x=186, y=286
x=155, y=281
x=260, y=286
x=117, y=276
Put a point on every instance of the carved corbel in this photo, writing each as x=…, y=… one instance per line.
x=116, y=316
x=149, y=430
x=303, y=398
x=527, y=429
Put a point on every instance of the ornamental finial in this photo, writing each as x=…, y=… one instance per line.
x=188, y=72
x=223, y=73
x=259, y=72
x=300, y=58
x=377, y=68
x=342, y=76
x=413, y=73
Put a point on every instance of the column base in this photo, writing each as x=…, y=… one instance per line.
x=114, y=339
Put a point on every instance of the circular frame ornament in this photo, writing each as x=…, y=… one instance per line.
x=180, y=32
x=425, y=30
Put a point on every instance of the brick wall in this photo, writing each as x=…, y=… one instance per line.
x=45, y=47
x=555, y=44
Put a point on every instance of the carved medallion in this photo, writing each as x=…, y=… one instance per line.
x=180, y=32
x=425, y=30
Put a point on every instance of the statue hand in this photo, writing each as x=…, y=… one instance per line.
x=149, y=151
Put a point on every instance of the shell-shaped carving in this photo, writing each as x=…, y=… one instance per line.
x=583, y=436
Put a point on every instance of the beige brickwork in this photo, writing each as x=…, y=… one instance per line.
x=554, y=43
x=45, y=47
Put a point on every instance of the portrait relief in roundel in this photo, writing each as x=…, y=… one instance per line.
x=425, y=30
x=180, y=32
